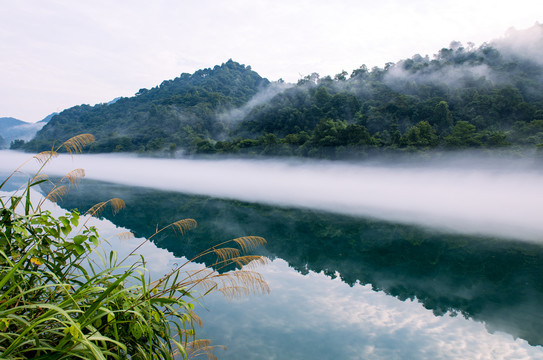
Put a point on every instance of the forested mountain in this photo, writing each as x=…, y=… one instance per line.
x=463, y=97
x=167, y=116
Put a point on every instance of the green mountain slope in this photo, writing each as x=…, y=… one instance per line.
x=167, y=116
x=464, y=97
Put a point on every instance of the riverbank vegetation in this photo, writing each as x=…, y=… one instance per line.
x=63, y=296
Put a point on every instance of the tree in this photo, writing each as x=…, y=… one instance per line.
x=327, y=133
x=420, y=135
x=361, y=72
x=16, y=144
x=497, y=139
x=296, y=139
x=342, y=76
x=142, y=91
x=463, y=135
x=442, y=116
x=355, y=134
x=322, y=97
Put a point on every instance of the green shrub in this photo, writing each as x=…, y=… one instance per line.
x=62, y=296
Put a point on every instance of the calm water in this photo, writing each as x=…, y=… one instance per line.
x=346, y=287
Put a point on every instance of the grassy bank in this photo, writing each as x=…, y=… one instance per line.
x=63, y=296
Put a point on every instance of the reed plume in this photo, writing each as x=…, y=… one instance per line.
x=125, y=235
x=115, y=203
x=56, y=194
x=184, y=225
x=45, y=156
x=76, y=144
x=198, y=348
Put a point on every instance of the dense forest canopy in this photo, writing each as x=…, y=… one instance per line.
x=489, y=96
x=166, y=116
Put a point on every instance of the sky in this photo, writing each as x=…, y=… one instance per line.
x=55, y=54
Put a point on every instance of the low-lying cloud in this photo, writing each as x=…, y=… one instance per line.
x=463, y=67
x=448, y=76
x=262, y=97
x=527, y=43
x=498, y=201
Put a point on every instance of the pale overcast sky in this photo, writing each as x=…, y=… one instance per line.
x=56, y=54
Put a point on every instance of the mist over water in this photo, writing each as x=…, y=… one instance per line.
x=500, y=200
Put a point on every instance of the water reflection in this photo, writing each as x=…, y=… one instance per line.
x=312, y=316
x=493, y=281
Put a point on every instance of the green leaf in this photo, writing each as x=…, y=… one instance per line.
x=66, y=230
x=79, y=249
x=163, y=300
x=4, y=323
x=136, y=330
x=75, y=219
x=98, y=323
x=93, y=239
x=19, y=229
x=79, y=239
x=74, y=331
x=112, y=257
x=53, y=232
x=64, y=220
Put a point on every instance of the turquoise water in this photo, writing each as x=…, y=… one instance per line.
x=347, y=287
x=343, y=287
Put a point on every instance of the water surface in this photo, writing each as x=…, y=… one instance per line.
x=345, y=285
x=349, y=287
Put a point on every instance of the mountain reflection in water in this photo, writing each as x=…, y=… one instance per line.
x=497, y=282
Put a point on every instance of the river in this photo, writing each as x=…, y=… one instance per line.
x=349, y=279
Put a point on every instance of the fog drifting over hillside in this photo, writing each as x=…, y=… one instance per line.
x=463, y=66
x=491, y=200
x=260, y=98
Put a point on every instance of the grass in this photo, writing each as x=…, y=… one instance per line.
x=63, y=296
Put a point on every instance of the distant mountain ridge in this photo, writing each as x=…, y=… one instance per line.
x=463, y=97
x=7, y=122
x=12, y=129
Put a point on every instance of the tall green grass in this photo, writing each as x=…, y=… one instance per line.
x=62, y=296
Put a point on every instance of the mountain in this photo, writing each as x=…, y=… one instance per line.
x=463, y=97
x=48, y=117
x=12, y=129
x=489, y=96
x=169, y=116
x=7, y=122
